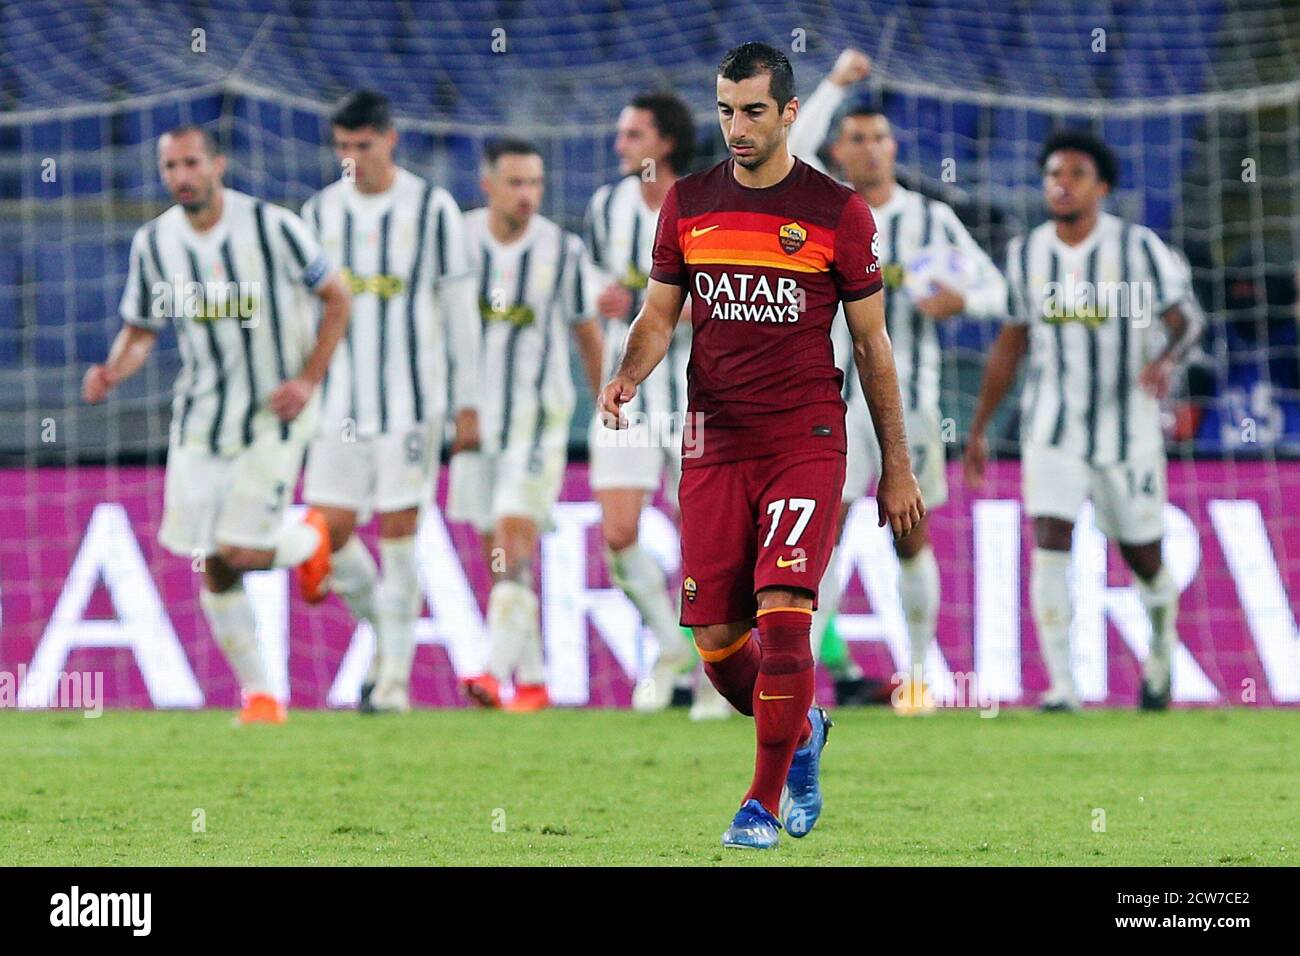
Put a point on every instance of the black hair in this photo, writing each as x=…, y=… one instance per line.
x=1084, y=142
x=210, y=144
x=672, y=119
x=751, y=59
x=509, y=146
x=363, y=108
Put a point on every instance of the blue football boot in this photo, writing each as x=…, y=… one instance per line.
x=801, y=801
x=753, y=828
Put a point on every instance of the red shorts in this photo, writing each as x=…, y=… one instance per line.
x=754, y=524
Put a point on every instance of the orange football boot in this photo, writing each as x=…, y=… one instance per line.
x=314, y=573
x=529, y=698
x=262, y=709
x=483, y=690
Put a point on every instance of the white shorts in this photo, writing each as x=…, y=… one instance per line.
x=1128, y=499
x=924, y=443
x=389, y=472
x=521, y=481
x=239, y=500
x=636, y=457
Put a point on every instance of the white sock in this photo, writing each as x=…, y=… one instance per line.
x=918, y=589
x=829, y=593
x=1160, y=598
x=398, y=606
x=532, y=658
x=639, y=576
x=1049, y=597
x=230, y=615
x=354, y=577
x=294, y=544
x=511, y=615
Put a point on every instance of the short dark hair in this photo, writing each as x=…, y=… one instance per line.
x=864, y=111
x=673, y=120
x=1083, y=142
x=363, y=108
x=509, y=146
x=210, y=144
x=751, y=59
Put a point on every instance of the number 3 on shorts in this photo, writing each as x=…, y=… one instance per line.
x=804, y=506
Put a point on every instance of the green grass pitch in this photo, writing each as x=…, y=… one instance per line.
x=1204, y=787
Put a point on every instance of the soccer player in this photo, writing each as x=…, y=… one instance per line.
x=411, y=354
x=655, y=142
x=910, y=225
x=536, y=285
x=237, y=276
x=1086, y=286
x=767, y=248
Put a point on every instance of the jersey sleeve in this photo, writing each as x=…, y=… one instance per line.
x=1169, y=280
x=456, y=286
x=1017, y=307
x=669, y=264
x=581, y=283
x=138, y=302
x=987, y=296
x=449, y=243
x=595, y=227
x=814, y=123
x=855, y=268
x=305, y=260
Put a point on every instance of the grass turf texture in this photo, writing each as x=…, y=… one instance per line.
x=598, y=787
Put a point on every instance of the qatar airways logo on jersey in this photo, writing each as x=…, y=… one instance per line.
x=745, y=297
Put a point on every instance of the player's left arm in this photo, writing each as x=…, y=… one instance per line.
x=582, y=287
x=652, y=331
x=898, y=496
x=457, y=290
x=303, y=260
x=986, y=297
x=1171, y=288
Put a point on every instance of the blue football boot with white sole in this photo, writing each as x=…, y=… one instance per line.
x=801, y=800
x=753, y=828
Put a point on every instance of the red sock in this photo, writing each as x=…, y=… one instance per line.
x=782, y=695
x=733, y=671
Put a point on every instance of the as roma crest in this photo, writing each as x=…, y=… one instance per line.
x=792, y=236
x=689, y=588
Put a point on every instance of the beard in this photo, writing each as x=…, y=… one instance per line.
x=1073, y=215
x=200, y=202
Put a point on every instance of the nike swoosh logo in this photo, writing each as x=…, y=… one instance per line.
x=763, y=696
x=699, y=232
x=783, y=563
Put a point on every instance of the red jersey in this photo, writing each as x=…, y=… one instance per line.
x=765, y=270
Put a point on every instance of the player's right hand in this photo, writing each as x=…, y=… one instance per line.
x=614, y=301
x=853, y=66
x=96, y=384
x=973, y=459
x=613, y=397
x=898, y=498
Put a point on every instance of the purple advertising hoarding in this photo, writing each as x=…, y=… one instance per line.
x=84, y=587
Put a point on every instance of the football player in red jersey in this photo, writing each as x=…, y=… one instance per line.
x=767, y=248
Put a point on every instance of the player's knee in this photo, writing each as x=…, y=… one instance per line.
x=398, y=524
x=240, y=560
x=341, y=523
x=619, y=535
x=519, y=570
x=717, y=637
x=771, y=598
x=218, y=576
x=1053, y=534
x=1144, y=560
